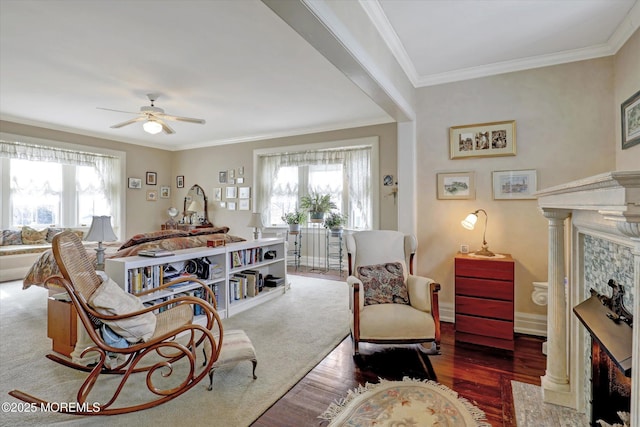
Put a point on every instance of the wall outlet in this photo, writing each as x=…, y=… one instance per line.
x=464, y=249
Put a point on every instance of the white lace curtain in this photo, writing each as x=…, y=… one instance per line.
x=356, y=164
x=108, y=167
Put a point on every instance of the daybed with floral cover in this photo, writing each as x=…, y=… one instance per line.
x=171, y=240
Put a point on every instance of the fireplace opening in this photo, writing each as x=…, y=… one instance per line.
x=610, y=388
x=610, y=325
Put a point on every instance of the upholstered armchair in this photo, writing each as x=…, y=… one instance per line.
x=388, y=303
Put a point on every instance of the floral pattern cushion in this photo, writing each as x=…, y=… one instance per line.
x=383, y=284
x=11, y=237
x=52, y=232
x=31, y=236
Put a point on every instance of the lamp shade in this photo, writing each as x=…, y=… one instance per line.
x=256, y=220
x=101, y=230
x=152, y=127
x=470, y=221
x=194, y=207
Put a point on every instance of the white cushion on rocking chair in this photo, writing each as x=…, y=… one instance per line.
x=111, y=299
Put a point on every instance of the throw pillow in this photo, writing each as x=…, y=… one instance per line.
x=111, y=299
x=153, y=236
x=11, y=237
x=383, y=284
x=52, y=231
x=31, y=236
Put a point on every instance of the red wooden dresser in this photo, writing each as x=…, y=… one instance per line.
x=484, y=300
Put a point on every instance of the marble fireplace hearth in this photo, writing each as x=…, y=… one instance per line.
x=594, y=235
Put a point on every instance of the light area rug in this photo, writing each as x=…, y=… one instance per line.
x=291, y=334
x=407, y=403
x=532, y=411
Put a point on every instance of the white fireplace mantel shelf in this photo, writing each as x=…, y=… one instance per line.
x=615, y=195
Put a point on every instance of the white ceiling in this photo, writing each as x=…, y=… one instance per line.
x=237, y=65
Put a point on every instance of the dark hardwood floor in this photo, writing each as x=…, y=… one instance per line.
x=480, y=374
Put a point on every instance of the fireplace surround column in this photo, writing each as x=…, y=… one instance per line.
x=555, y=383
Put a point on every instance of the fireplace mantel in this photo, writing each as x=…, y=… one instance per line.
x=614, y=195
x=607, y=207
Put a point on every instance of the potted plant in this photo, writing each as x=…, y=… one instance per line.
x=294, y=219
x=317, y=205
x=335, y=222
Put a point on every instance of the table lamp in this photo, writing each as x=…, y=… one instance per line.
x=193, y=208
x=470, y=222
x=101, y=231
x=257, y=224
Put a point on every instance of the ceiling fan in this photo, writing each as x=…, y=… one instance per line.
x=153, y=118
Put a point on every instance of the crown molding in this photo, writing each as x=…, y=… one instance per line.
x=375, y=12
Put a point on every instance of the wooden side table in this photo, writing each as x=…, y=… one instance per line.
x=62, y=325
x=484, y=300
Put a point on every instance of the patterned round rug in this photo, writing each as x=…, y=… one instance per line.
x=411, y=402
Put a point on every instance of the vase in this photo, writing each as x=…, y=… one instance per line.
x=316, y=216
x=294, y=228
x=335, y=232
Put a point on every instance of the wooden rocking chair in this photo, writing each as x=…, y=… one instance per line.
x=157, y=356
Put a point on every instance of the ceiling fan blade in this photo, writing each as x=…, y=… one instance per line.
x=165, y=127
x=181, y=119
x=128, y=122
x=118, y=111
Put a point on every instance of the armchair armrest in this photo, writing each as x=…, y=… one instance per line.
x=419, y=292
x=355, y=294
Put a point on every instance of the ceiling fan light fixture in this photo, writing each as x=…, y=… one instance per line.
x=152, y=127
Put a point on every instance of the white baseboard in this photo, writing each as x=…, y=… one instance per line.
x=531, y=324
x=525, y=323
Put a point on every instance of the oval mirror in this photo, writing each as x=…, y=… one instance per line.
x=195, y=207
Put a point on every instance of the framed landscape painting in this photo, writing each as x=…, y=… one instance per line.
x=630, y=115
x=510, y=185
x=456, y=186
x=483, y=140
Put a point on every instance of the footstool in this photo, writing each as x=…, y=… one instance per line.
x=236, y=347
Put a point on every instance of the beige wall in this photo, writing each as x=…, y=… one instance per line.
x=141, y=215
x=201, y=166
x=626, y=83
x=563, y=122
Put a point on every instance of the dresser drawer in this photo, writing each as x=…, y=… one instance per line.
x=485, y=269
x=484, y=288
x=486, y=327
x=482, y=307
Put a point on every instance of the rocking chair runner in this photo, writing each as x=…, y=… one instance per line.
x=157, y=356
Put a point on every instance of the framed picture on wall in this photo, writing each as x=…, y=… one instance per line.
x=152, y=195
x=165, y=192
x=244, y=205
x=152, y=178
x=180, y=181
x=135, y=183
x=511, y=185
x=244, y=192
x=231, y=192
x=217, y=194
x=222, y=177
x=456, y=185
x=483, y=140
x=630, y=115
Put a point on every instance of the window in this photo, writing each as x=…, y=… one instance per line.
x=346, y=172
x=47, y=185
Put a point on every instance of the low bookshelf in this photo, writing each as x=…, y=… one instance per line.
x=236, y=273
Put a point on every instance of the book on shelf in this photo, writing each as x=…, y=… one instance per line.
x=155, y=252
